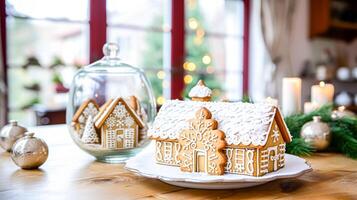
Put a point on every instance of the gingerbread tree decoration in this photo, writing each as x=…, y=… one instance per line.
x=89, y=134
x=202, y=145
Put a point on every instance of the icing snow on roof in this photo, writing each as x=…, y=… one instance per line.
x=242, y=123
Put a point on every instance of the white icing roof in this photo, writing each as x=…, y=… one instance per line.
x=242, y=123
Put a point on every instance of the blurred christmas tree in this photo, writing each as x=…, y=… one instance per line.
x=198, y=63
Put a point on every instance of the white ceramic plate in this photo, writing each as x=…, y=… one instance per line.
x=144, y=164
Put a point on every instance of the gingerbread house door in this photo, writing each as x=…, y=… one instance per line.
x=119, y=138
x=200, y=159
x=273, y=158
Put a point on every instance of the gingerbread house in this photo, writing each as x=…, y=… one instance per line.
x=119, y=125
x=188, y=135
x=88, y=108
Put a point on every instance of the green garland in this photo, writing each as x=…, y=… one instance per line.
x=344, y=133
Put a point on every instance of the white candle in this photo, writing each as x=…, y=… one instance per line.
x=271, y=101
x=291, y=96
x=322, y=94
x=310, y=106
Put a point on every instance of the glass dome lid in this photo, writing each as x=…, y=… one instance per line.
x=111, y=106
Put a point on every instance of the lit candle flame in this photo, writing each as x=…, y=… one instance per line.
x=322, y=84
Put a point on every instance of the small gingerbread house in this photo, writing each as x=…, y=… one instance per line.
x=188, y=135
x=88, y=108
x=119, y=125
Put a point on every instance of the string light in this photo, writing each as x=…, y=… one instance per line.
x=210, y=69
x=206, y=59
x=166, y=28
x=160, y=100
x=192, y=4
x=165, y=84
x=191, y=67
x=185, y=65
x=200, y=33
x=160, y=74
x=198, y=41
x=192, y=23
x=187, y=79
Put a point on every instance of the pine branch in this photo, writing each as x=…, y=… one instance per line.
x=344, y=142
x=299, y=147
x=344, y=133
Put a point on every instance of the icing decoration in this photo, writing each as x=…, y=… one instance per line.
x=158, y=151
x=229, y=154
x=89, y=134
x=275, y=134
x=250, y=162
x=239, y=158
x=281, y=155
x=177, y=153
x=168, y=151
x=86, y=110
x=273, y=156
x=242, y=123
x=264, y=162
x=119, y=125
x=129, y=138
x=200, y=90
x=202, y=145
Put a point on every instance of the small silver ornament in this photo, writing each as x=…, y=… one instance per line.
x=29, y=152
x=10, y=133
x=317, y=133
x=341, y=112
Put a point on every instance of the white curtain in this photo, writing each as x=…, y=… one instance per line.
x=276, y=23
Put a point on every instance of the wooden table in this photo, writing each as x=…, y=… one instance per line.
x=70, y=173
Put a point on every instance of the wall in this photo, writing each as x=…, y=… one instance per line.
x=302, y=49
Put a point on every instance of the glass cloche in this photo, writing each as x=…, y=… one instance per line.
x=111, y=106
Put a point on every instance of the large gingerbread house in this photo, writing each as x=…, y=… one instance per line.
x=189, y=134
x=119, y=125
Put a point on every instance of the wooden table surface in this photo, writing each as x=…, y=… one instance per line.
x=70, y=173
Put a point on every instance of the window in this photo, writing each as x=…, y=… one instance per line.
x=139, y=27
x=214, y=43
x=54, y=38
x=47, y=38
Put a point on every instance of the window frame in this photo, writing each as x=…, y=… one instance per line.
x=4, y=59
x=98, y=21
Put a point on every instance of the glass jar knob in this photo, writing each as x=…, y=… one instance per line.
x=111, y=50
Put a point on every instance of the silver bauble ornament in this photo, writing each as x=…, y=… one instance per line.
x=317, y=133
x=10, y=133
x=29, y=152
x=341, y=112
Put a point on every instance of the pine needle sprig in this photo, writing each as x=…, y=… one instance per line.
x=344, y=133
x=299, y=147
x=343, y=141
